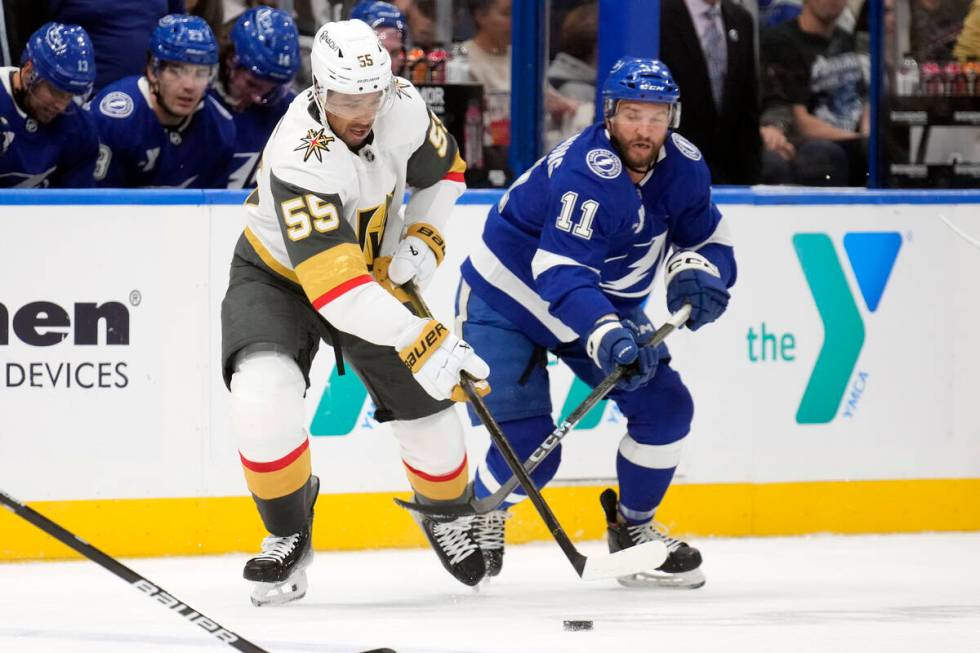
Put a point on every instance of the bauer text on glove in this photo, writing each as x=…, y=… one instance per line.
x=436, y=358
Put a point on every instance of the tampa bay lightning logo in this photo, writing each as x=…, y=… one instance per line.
x=687, y=148
x=604, y=163
x=55, y=40
x=263, y=18
x=116, y=105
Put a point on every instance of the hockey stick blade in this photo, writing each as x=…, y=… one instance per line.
x=492, y=502
x=642, y=557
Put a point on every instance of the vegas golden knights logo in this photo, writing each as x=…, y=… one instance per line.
x=371, y=224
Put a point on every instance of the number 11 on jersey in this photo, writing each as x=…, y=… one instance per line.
x=584, y=227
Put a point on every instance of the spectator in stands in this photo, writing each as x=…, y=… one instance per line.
x=710, y=48
x=212, y=11
x=572, y=73
x=488, y=56
x=120, y=30
x=46, y=139
x=816, y=93
x=161, y=129
x=935, y=25
x=258, y=59
x=389, y=24
x=968, y=42
x=421, y=18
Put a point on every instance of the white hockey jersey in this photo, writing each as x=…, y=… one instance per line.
x=323, y=214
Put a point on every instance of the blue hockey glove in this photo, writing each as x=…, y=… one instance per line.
x=611, y=344
x=649, y=357
x=693, y=279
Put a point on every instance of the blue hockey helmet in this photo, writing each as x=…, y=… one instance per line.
x=641, y=80
x=267, y=43
x=379, y=14
x=184, y=39
x=63, y=56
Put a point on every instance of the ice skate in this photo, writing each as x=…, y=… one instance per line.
x=278, y=574
x=682, y=568
x=488, y=529
x=455, y=544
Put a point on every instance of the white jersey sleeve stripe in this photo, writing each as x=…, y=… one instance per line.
x=488, y=266
x=722, y=235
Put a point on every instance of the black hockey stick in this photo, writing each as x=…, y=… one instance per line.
x=151, y=590
x=649, y=555
x=492, y=502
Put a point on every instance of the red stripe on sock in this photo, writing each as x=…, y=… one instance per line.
x=441, y=478
x=275, y=465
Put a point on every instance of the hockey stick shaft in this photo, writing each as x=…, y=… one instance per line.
x=510, y=457
x=493, y=501
x=598, y=394
x=631, y=561
x=137, y=581
x=497, y=435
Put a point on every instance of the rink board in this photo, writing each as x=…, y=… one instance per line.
x=113, y=413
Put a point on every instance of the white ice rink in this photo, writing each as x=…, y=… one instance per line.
x=896, y=593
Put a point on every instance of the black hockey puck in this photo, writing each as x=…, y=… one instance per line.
x=577, y=625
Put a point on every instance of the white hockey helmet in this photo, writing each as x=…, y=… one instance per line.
x=348, y=60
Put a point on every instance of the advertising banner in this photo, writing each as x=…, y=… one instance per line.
x=848, y=353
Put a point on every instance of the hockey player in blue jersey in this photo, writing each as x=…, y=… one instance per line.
x=258, y=62
x=162, y=129
x=46, y=140
x=567, y=259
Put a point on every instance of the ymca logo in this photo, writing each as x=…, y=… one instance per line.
x=872, y=257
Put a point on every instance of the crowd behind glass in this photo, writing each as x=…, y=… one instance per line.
x=773, y=91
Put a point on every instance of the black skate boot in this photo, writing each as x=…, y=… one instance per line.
x=488, y=529
x=682, y=567
x=278, y=574
x=455, y=544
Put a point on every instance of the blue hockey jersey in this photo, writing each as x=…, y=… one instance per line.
x=137, y=151
x=252, y=129
x=60, y=154
x=574, y=238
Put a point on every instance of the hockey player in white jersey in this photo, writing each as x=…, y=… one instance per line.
x=321, y=257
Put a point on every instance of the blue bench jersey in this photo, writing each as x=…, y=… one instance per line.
x=136, y=151
x=252, y=130
x=60, y=154
x=574, y=238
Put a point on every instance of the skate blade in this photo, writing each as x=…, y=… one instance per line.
x=266, y=594
x=687, y=580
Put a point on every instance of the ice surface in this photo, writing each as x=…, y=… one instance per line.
x=895, y=593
